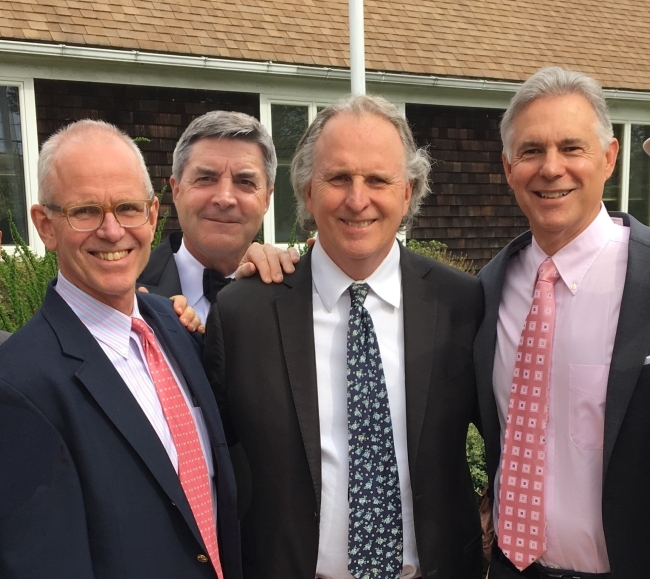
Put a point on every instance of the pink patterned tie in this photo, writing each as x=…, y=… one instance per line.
x=522, y=524
x=192, y=468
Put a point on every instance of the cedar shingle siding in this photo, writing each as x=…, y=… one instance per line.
x=159, y=114
x=471, y=208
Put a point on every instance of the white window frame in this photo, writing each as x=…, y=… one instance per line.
x=29, y=136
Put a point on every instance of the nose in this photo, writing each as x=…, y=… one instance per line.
x=553, y=165
x=357, y=199
x=110, y=229
x=223, y=194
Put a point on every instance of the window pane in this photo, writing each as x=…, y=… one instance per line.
x=288, y=123
x=612, y=195
x=639, y=175
x=12, y=176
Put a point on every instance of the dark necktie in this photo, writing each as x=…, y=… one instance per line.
x=213, y=283
x=375, y=541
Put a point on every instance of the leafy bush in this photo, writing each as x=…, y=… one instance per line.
x=23, y=280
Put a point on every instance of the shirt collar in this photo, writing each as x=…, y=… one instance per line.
x=331, y=282
x=190, y=272
x=105, y=323
x=576, y=257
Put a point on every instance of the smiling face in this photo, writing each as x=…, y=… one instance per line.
x=221, y=200
x=558, y=168
x=358, y=194
x=100, y=169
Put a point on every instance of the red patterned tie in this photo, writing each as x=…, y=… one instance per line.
x=192, y=468
x=522, y=524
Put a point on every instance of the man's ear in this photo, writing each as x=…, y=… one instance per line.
x=268, y=198
x=44, y=226
x=175, y=185
x=507, y=168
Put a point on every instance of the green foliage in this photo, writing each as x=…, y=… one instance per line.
x=293, y=239
x=157, y=238
x=438, y=251
x=23, y=280
x=476, y=459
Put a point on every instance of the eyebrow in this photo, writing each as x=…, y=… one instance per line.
x=538, y=144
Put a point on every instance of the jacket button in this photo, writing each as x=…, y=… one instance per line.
x=202, y=558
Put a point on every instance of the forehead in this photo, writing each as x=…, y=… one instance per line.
x=215, y=150
x=96, y=167
x=364, y=139
x=555, y=118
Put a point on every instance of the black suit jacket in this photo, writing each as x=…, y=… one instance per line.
x=260, y=359
x=160, y=276
x=626, y=452
x=87, y=490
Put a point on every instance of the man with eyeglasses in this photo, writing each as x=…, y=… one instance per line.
x=114, y=461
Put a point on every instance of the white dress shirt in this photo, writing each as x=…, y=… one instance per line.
x=331, y=304
x=190, y=272
x=122, y=346
x=587, y=304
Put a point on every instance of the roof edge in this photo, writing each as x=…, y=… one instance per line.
x=272, y=68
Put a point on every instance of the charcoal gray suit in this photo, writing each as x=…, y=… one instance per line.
x=626, y=451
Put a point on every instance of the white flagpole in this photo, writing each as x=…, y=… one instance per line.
x=357, y=48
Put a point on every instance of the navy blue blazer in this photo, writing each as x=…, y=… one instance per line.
x=87, y=490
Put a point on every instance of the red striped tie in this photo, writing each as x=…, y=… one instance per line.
x=192, y=468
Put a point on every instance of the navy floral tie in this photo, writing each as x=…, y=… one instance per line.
x=375, y=541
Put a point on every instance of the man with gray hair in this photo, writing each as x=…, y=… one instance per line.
x=222, y=180
x=565, y=402
x=351, y=385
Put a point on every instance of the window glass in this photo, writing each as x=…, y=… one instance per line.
x=12, y=176
x=612, y=195
x=288, y=123
x=639, y=174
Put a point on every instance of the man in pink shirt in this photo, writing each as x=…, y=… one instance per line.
x=593, y=428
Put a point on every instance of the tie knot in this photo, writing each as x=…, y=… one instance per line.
x=358, y=293
x=548, y=272
x=140, y=328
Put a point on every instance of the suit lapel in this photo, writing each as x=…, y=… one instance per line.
x=105, y=385
x=420, y=311
x=295, y=319
x=632, y=342
x=492, y=278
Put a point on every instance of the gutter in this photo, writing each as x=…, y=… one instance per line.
x=272, y=68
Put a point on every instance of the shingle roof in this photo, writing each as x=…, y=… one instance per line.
x=493, y=39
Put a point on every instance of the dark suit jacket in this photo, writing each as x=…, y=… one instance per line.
x=87, y=490
x=160, y=276
x=266, y=387
x=626, y=452
x=4, y=336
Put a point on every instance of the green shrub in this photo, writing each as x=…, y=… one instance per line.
x=23, y=280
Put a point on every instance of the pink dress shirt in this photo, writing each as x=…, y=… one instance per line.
x=588, y=301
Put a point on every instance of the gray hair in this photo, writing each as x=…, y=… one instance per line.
x=302, y=164
x=554, y=82
x=79, y=131
x=226, y=125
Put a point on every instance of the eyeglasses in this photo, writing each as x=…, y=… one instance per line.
x=91, y=217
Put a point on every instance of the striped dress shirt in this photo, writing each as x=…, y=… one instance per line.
x=112, y=330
